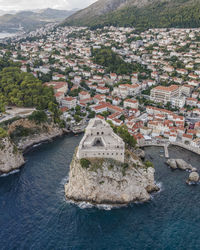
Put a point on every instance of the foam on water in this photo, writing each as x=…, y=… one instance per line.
x=10, y=173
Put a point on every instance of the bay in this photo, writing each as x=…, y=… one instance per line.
x=35, y=215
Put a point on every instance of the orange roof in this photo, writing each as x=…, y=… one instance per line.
x=168, y=89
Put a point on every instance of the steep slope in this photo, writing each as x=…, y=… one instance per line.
x=110, y=182
x=140, y=14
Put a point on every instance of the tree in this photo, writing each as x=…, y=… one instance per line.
x=3, y=133
x=77, y=118
x=38, y=117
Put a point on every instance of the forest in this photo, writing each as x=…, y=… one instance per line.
x=113, y=62
x=157, y=14
x=23, y=89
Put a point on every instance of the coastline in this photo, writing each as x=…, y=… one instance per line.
x=29, y=145
x=38, y=141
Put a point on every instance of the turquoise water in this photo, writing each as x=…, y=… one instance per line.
x=35, y=215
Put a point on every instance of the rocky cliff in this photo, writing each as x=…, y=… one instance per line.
x=10, y=157
x=27, y=133
x=23, y=134
x=107, y=181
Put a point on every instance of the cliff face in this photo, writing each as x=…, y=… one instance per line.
x=26, y=133
x=10, y=157
x=110, y=182
x=23, y=134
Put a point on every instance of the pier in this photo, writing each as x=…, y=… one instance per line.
x=156, y=144
x=165, y=145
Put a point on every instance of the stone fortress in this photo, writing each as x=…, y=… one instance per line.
x=100, y=141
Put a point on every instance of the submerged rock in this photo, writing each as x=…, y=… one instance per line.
x=10, y=157
x=193, y=177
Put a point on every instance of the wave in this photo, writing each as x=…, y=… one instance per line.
x=161, y=188
x=37, y=145
x=160, y=185
x=88, y=205
x=10, y=173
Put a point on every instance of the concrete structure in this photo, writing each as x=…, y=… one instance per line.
x=100, y=141
x=69, y=102
x=164, y=94
x=131, y=103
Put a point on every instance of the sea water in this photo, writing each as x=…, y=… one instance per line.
x=35, y=215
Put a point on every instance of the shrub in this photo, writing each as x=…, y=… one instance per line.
x=38, y=117
x=124, y=168
x=85, y=163
x=3, y=133
x=148, y=164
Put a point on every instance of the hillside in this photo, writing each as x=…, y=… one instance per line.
x=30, y=20
x=139, y=14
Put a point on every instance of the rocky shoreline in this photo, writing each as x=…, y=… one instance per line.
x=12, y=154
x=183, y=165
x=29, y=143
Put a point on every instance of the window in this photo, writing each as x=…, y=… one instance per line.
x=102, y=133
x=97, y=133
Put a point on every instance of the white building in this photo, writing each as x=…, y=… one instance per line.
x=164, y=94
x=100, y=141
x=69, y=102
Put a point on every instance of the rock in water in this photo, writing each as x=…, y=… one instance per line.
x=179, y=163
x=105, y=180
x=182, y=164
x=10, y=157
x=193, y=177
x=172, y=163
x=109, y=182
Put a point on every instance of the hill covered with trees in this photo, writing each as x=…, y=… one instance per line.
x=140, y=14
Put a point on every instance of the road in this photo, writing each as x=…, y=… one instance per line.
x=14, y=112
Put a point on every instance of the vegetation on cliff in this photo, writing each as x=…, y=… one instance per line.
x=3, y=133
x=122, y=131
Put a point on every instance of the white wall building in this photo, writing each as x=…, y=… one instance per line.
x=100, y=141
